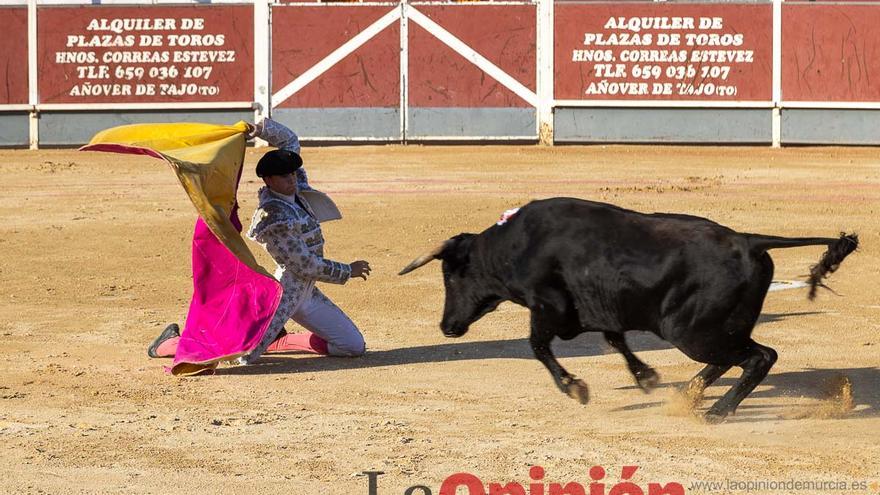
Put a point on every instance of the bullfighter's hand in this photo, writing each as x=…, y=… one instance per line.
x=360, y=268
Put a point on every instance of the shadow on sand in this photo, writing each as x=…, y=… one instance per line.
x=591, y=344
x=809, y=383
x=806, y=383
x=585, y=345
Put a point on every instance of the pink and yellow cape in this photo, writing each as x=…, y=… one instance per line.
x=234, y=298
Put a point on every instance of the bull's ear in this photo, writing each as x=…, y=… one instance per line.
x=424, y=259
x=457, y=249
x=463, y=238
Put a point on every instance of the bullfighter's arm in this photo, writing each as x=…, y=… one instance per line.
x=289, y=250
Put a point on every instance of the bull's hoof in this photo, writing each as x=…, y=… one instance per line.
x=647, y=379
x=576, y=389
x=714, y=417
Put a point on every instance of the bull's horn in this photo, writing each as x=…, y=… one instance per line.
x=424, y=259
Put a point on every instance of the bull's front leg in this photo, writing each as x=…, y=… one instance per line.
x=646, y=378
x=542, y=335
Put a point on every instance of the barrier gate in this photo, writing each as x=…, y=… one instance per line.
x=550, y=71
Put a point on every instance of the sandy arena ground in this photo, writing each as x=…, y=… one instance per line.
x=95, y=262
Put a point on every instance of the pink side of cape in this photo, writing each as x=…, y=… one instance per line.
x=232, y=305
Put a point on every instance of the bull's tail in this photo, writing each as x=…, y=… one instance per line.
x=838, y=249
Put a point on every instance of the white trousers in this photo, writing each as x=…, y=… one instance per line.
x=318, y=315
x=323, y=318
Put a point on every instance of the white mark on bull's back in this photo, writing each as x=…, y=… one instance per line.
x=507, y=215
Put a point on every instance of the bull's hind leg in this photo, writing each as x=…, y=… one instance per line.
x=739, y=349
x=646, y=377
x=542, y=335
x=695, y=387
x=755, y=368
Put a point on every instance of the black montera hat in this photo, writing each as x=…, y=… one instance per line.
x=278, y=162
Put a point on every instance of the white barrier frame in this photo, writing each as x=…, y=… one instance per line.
x=545, y=46
x=34, y=107
x=542, y=99
x=473, y=56
x=661, y=104
x=404, y=71
x=776, y=71
x=33, y=83
x=407, y=12
x=334, y=57
x=262, y=63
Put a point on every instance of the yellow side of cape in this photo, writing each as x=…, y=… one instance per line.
x=207, y=160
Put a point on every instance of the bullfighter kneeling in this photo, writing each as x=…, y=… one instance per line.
x=287, y=224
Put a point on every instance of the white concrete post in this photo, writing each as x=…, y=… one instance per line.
x=544, y=56
x=404, y=70
x=262, y=62
x=33, y=92
x=777, y=74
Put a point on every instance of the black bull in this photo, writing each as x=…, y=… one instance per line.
x=581, y=266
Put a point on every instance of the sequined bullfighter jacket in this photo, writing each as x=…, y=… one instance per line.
x=289, y=229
